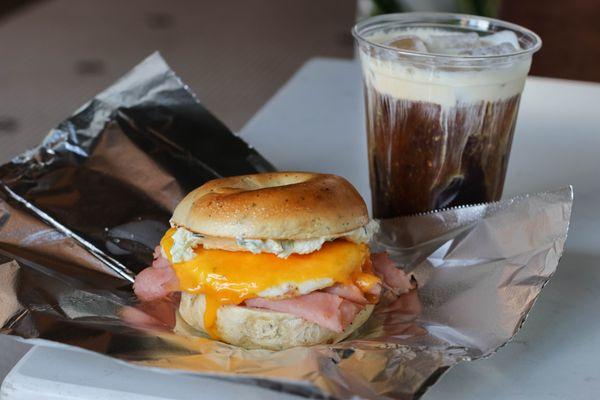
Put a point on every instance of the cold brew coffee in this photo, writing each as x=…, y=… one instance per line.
x=441, y=107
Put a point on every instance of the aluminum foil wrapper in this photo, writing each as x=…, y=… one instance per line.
x=80, y=215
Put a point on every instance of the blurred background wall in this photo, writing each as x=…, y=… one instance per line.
x=56, y=54
x=570, y=30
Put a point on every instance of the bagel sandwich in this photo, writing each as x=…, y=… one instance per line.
x=271, y=261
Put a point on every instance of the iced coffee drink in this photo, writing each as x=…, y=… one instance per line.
x=442, y=95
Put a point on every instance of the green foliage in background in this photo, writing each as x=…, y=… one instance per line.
x=386, y=7
x=487, y=8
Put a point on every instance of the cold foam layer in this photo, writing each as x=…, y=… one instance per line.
x=444, y=85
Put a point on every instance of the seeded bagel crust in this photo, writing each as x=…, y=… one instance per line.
x=277, y=205
x=254, y=328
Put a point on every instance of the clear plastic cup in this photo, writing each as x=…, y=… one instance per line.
x=440, y=126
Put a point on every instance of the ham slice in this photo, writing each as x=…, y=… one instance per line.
x=392, y=276
x=159, y=260
x=157, y=253
x=157, y=314
x=375, y=291
x=161, y=263
x=139, y=319
x=157, y=281
x=325, y=309
x=348, y=311
x=347, y=291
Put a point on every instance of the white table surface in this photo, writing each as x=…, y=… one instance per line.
x=315, y=122
x=319, y=125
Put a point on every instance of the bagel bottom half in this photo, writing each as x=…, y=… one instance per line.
x=254, y=328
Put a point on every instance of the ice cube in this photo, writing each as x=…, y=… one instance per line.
x=412, y=43
x=501, y=37
x=443, y=43
x=492, y=50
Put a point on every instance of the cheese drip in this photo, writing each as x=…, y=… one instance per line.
x=231, y=277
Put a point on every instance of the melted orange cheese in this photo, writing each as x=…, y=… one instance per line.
x=230, y=277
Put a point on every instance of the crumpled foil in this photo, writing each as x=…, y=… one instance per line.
x=80, y=215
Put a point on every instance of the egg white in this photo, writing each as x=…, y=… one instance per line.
x=185, y=241
x=295, y=289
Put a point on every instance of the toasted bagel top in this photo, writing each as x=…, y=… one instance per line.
x=276, y=205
